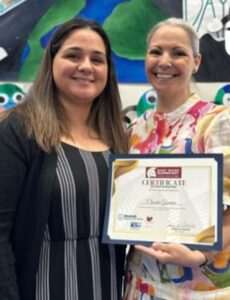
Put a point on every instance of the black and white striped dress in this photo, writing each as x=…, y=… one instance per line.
x=74, y=264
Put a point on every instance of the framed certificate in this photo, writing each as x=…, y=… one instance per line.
x=166, y=198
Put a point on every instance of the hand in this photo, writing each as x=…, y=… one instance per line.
x=176, y=254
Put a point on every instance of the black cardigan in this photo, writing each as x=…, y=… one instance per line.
x=26, y=175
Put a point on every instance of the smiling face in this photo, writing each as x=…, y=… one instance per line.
x=170, y=62
x=80, y=67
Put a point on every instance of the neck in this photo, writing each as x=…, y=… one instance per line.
x=85, y=138
x=77, y=116
x=168, y=103
x=80, y=134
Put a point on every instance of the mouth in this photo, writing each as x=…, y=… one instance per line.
x=164, y=75
x=83, y=79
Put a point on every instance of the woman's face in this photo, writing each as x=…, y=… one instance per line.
x=80, y=67
x=170, y=61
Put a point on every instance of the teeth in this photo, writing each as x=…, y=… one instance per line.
x=164, y=75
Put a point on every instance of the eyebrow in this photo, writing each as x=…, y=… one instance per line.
x=160, y=46
x=180, y=48
x=77, y=49
x=176, y=48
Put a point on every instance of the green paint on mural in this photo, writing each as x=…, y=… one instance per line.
x=128, y=26
x=57, y=14
x=222, y=281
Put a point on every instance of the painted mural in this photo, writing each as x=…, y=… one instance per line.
x=126, y=22
x=211, y=19
x=27, y=25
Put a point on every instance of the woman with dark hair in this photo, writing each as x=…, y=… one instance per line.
x=54, y=150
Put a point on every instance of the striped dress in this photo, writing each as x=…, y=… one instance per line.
x=74, y=264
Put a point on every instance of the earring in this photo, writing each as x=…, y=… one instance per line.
x=194, y=71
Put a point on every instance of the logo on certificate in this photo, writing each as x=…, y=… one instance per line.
x=135, y=225
x=149, y=219
x=163, y=172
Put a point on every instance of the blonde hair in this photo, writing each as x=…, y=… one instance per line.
x=187, y=27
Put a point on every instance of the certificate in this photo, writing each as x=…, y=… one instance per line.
x=174, y=198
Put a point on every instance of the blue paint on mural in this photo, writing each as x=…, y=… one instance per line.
x=127, y=70
x=98, y=10
x=122, y=65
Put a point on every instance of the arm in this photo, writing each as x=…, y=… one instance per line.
x=181, y=255
x=12, y=175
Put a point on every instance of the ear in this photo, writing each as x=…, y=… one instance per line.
x=197, y=61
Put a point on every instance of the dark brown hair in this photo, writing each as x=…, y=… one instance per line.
x=44, y=115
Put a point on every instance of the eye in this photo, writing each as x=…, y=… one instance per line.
x=98, y=60
x=155, y=52
x=72, y=56
x=226, y=99
x=178, y=53
x=4, y=98
x=18, y=97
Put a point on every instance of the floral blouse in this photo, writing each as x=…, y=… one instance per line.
x=195, y=127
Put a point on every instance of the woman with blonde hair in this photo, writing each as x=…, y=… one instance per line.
x=181, y=123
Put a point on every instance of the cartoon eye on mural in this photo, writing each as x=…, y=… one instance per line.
x=223, y=95
x=10, y=95
x=148, y=100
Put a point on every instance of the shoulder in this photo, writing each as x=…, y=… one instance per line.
x=219, y=123
x=216, y=115
x=14, y=137
x=213, y=128
x=14, y=122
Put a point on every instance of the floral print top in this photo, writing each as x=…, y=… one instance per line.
x=195, y=127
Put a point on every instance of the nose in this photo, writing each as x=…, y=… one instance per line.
x=85, y=64
x=165, y=60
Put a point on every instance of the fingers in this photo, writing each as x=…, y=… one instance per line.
x=161, y=246
x=147, y=250
x=173, y=254
x=161, y=256
x=155, y=249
